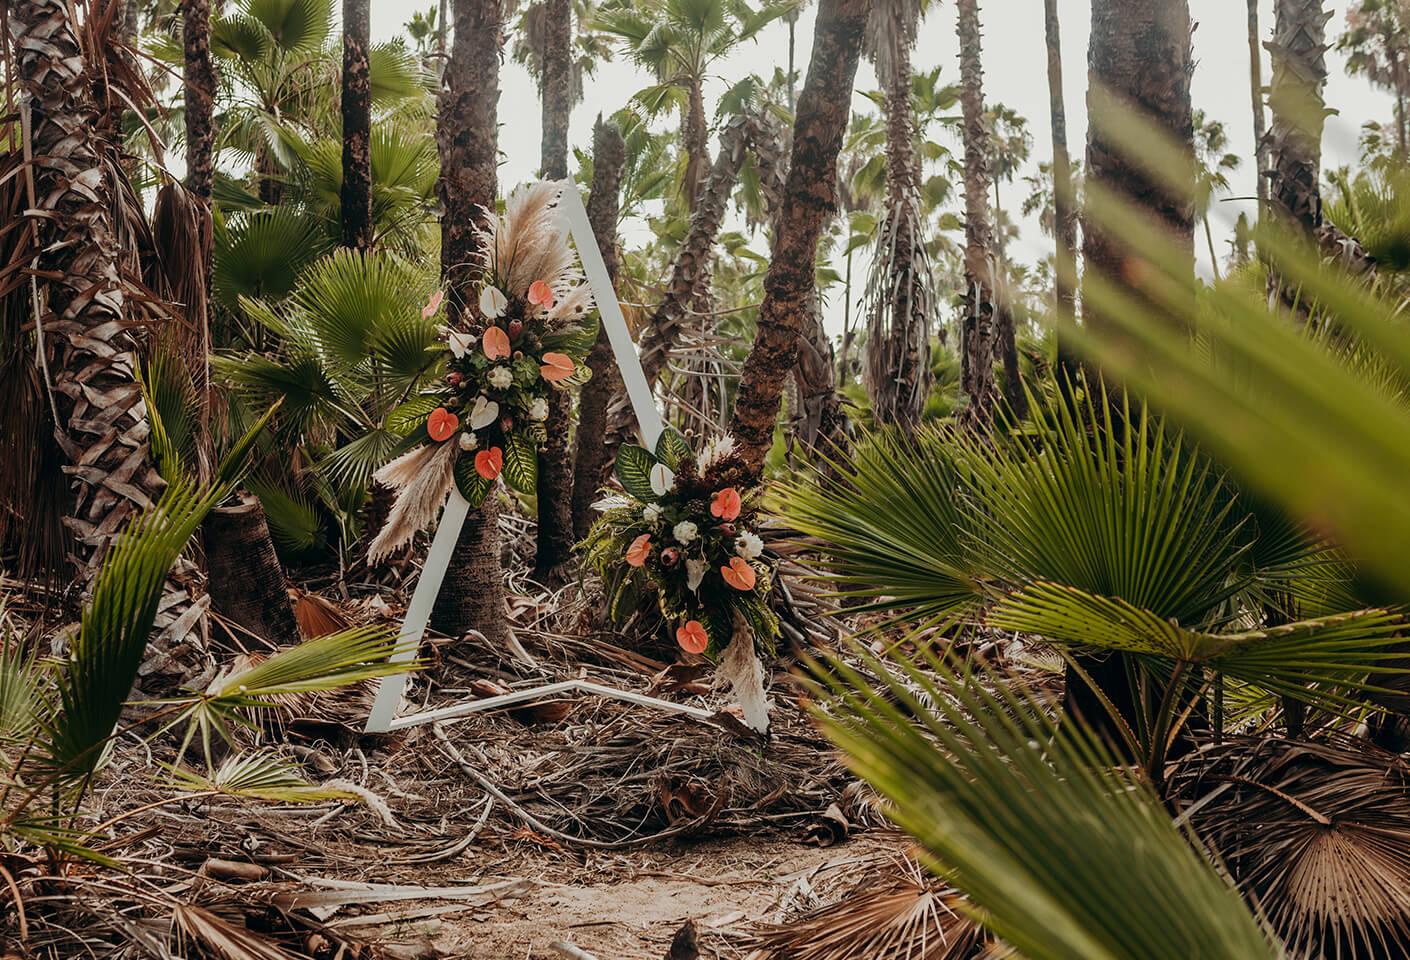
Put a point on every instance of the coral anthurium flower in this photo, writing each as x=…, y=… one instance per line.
x=493, y=302
x=441, y=424
x=639, y=550
x=726, y=504
x=692, y=637
x=739, y=574
x=541, y=293
x=495, y=343
x=488, y=463
x=433, y=304
x=556, y=366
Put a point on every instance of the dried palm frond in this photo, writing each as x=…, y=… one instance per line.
x=1317, y=833
x=222, y=937
x=422, y=494
x=902, y=915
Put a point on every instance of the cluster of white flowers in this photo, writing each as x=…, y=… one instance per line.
x=748, y=546
x=651, y=513
x=468, y=441
x=685, y=531
x=500, y=378
x=538, y=409
x=715, y=451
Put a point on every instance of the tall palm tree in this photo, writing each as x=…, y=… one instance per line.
x=897, y=371
x=982, y=325
x=809, y=198
x=1064, y=221
x=1377, y=45
x=554, y=547
x=472, y=596
x=591, y=464
x=357, y=126
x=1009, y=146
x=1213, y=164
x=1295, y=96
x=1255, y=85
x=96, y=403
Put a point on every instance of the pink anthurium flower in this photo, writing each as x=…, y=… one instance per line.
x=541, y=293
x=692, y=637
x=726, y=504
x=639, y=550
x=739, y=574
x=433, y=304
x=488, y=463
x=495, y=343
x=556, y=367
x=441, y=424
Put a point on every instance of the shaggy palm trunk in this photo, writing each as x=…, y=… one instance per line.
x=1295, y=139
x=472, y=596
x=809, y=198
x=591, y=463
x=1255, y=88
x=898, y=337
x=697, y=149
x=357, y=127
x=1064, y=219
x=1139, y=61
x=978, y=329
x=102, y=422
x=199, y=76
x=554, y=547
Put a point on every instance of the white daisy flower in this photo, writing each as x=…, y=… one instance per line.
x=748, y=546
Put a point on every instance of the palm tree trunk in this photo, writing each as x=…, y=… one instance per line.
x=1139, y=62
x=472, y=597
x=697, y=149
x=554, y=546
x=591, y=463
x=1255, y=83
x=1295, y=97
x=357, y=127
x=809, y=198
x=1064, y=222
x=246, y=582
x=101, y=419
x=978, y=330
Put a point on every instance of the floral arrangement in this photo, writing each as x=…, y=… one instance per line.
x=681, y=538
x=486, y=418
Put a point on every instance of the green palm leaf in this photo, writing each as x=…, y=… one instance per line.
x=521, y=462
x=633, y=469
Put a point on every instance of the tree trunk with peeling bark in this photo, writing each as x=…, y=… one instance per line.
x=979, y=329
x=697, y=148
x=554, y=544
x=809, y=198
x=102, y=423
x=1064, y=217
x=592, y=463
x=357, y=127
x=472, y=596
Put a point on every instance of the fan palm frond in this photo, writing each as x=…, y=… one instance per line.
x=263, y=254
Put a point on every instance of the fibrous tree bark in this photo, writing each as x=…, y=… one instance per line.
x=554, y=546
x=357, y=126
x=1255, y=85
x=1064, y=217
x=979, y=328
x=591, y=461
x=102, y=425
x=472, y=596
x=809, y=198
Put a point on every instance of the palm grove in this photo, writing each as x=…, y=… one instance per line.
x=976, y=452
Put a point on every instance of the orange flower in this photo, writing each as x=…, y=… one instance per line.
x=488, y=463
x=495, y=343
x=441, y=424
x=692, y=637
x=556, y=366
x=726, y=504
x=639, y=550
x=541, y=293
x=739, y=574
x=433, y=304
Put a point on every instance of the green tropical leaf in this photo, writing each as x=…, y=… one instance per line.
x=633, y=469
x=521, y=462
x=473, y=487
x=408, y=416
x=671, y=447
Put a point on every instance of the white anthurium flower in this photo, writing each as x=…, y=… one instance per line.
x=538, y=409
x=500, y=378
x=662, y=479
x=694, y=573
x=484, y=413
x=468, y=441
x=685, y=531
x=493, y=302
x=651, y=513
x=748, y=546
x=459, y=342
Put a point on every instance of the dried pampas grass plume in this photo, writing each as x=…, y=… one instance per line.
x=424, y=476
x=529, y=242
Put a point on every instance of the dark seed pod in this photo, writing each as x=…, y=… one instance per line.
x=670, y=557
x=516, y=327
x=728, y=529
x=454, y=379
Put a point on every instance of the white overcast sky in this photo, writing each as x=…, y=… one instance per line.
x=1015, y=73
